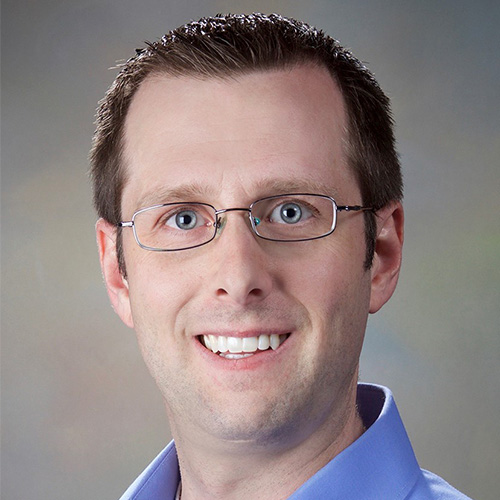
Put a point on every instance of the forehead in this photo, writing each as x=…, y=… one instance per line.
x=234, y=135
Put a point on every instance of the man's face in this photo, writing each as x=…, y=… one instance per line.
x=229, y=143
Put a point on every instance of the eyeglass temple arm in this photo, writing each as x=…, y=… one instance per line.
x=354, y=208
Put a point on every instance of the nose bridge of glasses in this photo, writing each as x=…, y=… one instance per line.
x=221, y=221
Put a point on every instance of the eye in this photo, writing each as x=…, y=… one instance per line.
x=185, y=219
x=289, y=213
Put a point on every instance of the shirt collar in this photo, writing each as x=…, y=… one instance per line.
x=380, y=464
x=159, y=480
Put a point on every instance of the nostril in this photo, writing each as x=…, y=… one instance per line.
x=221, y=292
x=254, y=292
x=257, y=292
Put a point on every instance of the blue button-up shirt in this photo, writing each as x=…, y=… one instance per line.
x=379, y=465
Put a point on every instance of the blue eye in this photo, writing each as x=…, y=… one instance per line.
x=186, y=219
x=289, y=213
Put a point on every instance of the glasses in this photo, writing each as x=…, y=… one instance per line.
x=288, y=217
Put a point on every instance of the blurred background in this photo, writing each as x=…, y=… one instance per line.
x=80, y=415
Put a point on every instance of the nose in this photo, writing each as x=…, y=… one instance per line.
x=241, y=268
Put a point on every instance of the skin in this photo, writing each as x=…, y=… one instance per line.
x=260, y=427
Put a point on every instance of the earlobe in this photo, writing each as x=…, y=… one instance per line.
x=116, y=284
x=388, y=252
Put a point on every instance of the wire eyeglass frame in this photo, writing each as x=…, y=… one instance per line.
x=254, y=221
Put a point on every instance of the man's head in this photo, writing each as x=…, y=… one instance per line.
x=225, y=47
x=204, y=317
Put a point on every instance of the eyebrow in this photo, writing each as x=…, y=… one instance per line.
x=266, y=187
x=184, y=192
x=270, y=187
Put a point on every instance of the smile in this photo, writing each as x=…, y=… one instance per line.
x=241, y=347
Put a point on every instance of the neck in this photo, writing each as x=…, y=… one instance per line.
x=215, y=469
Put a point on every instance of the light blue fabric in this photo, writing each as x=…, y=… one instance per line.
x=380, y=465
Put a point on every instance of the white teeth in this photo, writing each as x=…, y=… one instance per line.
x=239, y=345
x=234, y=344
x=228, y=355
x=213, y=342
x=274, y=341
x=222, y=342
x=263, y=342
x=250, y=344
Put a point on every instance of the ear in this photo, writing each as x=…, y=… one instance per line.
x=116, y=284
x=388, y=251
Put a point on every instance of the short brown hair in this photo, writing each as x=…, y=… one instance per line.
x=222, y=46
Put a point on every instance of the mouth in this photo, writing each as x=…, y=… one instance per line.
x=241, y=347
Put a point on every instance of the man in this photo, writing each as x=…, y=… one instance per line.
x=250, y=199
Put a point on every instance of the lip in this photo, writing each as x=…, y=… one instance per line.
x=254, y=362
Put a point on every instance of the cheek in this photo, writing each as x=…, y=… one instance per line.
x=160, y=286
x=325, y=271
x=335, y=290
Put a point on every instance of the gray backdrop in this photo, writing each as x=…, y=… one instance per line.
x=80, y=415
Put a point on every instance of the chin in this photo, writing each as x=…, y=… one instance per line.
x=259, y=421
